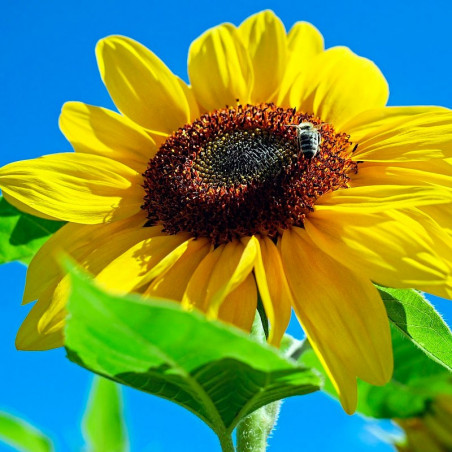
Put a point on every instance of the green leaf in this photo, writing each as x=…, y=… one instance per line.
x=417, y=319
x=212, y=369
x=416, y=381
x=22, y=436
x=21, y=235
x=103, y=423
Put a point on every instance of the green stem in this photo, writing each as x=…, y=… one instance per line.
x=226, y=442
x=252, y=432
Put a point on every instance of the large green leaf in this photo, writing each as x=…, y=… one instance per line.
x=22, y=436
x=416, y=381
x=211, y=369
x=103, y=423
x=21, y=235
x=417, y=319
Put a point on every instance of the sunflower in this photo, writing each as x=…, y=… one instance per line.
x=209, y=193
x=429, y=432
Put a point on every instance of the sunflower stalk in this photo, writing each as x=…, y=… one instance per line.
x=226, y=442
x=253, y=432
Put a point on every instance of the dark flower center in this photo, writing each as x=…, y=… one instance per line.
x=244, y=157
x=241, y=171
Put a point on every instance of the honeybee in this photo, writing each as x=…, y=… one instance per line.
x=309, y=138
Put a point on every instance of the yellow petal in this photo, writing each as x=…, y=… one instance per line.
x=80, y=242
x=27, y=209
x=141, y=263
x=338, y=86
x=390, y=248
x=439, y=166
x=106, y=252
x=172, y=283
x=342, y=315
x=96, y=130
x=400, y=134
x=239, y=307
x=220, y=68
x=273, y=289
x=438, y=224
x=36, y=334
x=42, y=328
x=305, y=42
x=44, y=269
x=221, y=272
x=233, y=266
x=80, y=188
x=141, y=85
x=195, y=294
x=378, y=198
x=264, y=37
x=441, y=214
x=54, y=317
x=191, y=99
x=369, y=122
x=395, y=175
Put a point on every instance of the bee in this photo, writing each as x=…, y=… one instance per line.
x=309, y=138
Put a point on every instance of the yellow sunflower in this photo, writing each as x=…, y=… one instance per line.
x=207, y=194
x=431, y=432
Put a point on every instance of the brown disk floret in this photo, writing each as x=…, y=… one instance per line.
x=239, y=171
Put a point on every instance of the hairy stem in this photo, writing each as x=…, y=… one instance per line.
x=226, y=443
x=252, y=432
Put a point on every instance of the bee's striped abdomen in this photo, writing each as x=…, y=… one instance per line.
x=309, y=142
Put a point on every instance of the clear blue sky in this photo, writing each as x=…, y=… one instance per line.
x=47, y=58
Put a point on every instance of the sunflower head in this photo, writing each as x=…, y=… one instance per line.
x=241, y=171
x=278, y=172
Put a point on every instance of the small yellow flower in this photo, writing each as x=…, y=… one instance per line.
x=432, y=432
x=202, y=194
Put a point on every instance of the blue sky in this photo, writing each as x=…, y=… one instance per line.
x=47, y=51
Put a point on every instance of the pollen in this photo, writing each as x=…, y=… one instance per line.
x=239, y=171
